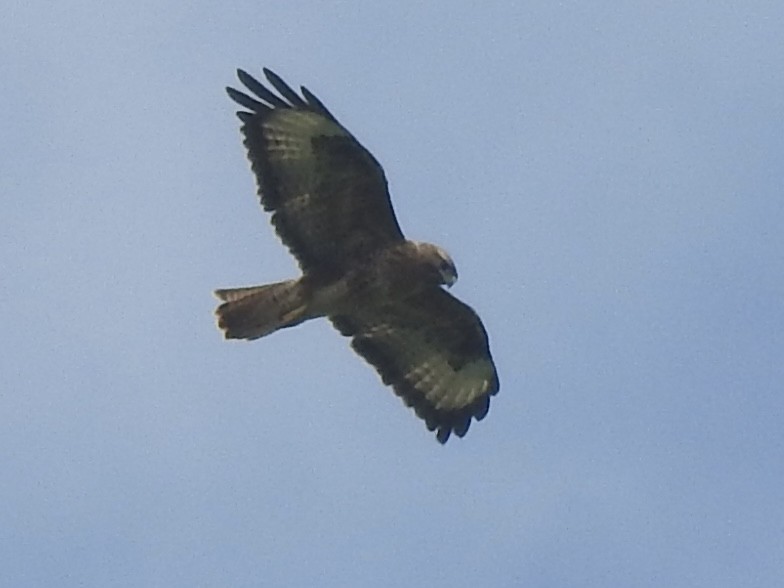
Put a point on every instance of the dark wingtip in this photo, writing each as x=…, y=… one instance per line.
x=317, y=104
x=288, y=98
x=242, y=75
x=443, y=434
x=246, y=101
x=256, y=87
x=482, y=407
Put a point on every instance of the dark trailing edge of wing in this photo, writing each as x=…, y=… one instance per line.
x=269, y=100
x=443, y=422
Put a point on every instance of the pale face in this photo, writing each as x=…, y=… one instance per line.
x=439, y=260
x=446, y=267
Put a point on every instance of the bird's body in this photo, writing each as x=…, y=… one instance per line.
x=331, y=207
x=388, y=275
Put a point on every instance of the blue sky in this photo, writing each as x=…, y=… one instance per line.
x=608, y=178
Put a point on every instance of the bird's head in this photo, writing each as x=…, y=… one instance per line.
x=437, y=259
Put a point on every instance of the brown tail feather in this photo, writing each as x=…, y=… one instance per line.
x=256, y=311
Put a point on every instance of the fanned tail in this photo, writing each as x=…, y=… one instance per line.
x=256, y=311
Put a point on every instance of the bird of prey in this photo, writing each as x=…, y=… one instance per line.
x=330, y=206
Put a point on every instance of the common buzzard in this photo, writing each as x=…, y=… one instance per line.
x=330, y=206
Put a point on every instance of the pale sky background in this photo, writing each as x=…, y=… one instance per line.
x=609, y=178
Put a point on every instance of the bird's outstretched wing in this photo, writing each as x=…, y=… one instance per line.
x=433, y=350
x=327, y=193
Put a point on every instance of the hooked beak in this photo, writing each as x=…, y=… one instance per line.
x=450, y=276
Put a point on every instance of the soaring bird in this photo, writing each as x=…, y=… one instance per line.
x=331, y=207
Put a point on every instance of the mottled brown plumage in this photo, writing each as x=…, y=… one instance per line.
x=330, y=206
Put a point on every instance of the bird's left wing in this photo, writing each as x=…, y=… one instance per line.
x=433, y=350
